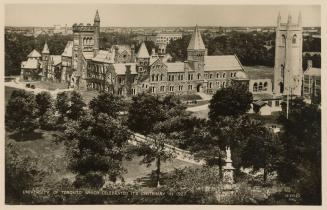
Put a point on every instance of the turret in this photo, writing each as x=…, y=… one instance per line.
x=299, y=22
x=96, y=32
x=279, y=18
x=142, y=58
x=45, y=61
x=196, y=50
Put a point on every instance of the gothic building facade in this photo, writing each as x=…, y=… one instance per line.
x=83, y=65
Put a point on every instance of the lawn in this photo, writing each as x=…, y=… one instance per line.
x=50, y=85
x=51, y=152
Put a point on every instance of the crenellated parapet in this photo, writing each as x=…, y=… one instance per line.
x=83, y=28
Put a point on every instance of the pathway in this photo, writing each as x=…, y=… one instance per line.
x=19, y=85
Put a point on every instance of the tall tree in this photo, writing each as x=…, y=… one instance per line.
x=97, y=145
x=107, y=103
x=261, y=150
x=21, y=112
x=300, y=162
x=230, y=101
x=62, y=104
x=77, y=105
x=45, y=110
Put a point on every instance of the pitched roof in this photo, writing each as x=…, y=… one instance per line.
x=45, y=49
x=88, y=55
x=56, y=59
x=29, y=64
x=221, y=62
x=143, y=52
x=313, y=72
x=196, y=42
x=122, y=48
x=34, y=54
x=120, y=68
x=175, y=67
x=97, y=16
x=68, y=51
x=104, y=56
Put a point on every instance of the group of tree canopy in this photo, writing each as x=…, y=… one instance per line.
x=98, y=136
x=249, y=47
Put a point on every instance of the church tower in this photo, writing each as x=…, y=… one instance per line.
x=142, y=62
x=45, y=61
x=96, y=32
x=288, y=57
x=196, y=50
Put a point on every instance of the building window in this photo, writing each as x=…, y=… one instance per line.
x=224, y=75
x=269, y=103
x=217, y=75
x=172, y=78
x=277, y=103
x=224, y=84
x=210, y=84
x=190, y=87
x=162, y=88
x=294, y=39
x=265, y=86
x=152, y=89
x=306, y=90
x=161, y=77
x=255, y=87
x=231, y=74
x=182, y=76
x=133, y=91
x=210, y=76
x=171, y=88
x=152, y=77
x=260, y=86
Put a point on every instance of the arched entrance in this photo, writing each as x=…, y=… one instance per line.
x=199, y=88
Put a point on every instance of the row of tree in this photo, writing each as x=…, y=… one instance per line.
x=97, y=136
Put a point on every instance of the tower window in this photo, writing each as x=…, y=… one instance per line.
x=294, y=39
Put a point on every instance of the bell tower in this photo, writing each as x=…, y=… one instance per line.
x=288, y=57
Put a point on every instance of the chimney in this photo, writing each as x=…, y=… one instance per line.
x=309, y=64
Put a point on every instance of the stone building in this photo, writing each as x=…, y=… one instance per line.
x=163, y=39
x=312, y=82
x=288, y=70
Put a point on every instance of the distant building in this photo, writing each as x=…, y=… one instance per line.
x=312, y=82
x=163, y=39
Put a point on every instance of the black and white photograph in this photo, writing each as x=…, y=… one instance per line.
x=189, y=104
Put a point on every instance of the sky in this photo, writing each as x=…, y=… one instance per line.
x=157, y=15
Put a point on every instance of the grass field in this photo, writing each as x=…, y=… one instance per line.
x=46, y=145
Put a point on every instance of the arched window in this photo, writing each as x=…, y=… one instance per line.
x=199, y=75
x=282, y=71
x=255, y=87
x=157, y=78
x=161, y=77
x=217, y=75
x=260, y=86
x=224, y=75
x=265, y=86
x=294, y=39
x=210, y=85
x=152, y=77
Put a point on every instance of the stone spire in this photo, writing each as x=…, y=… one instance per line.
x=45, y=49
x=196, y=42
x=279, y=18
x=299, y=22
x=143, y=52
x=97, y=17
x=289, y=19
